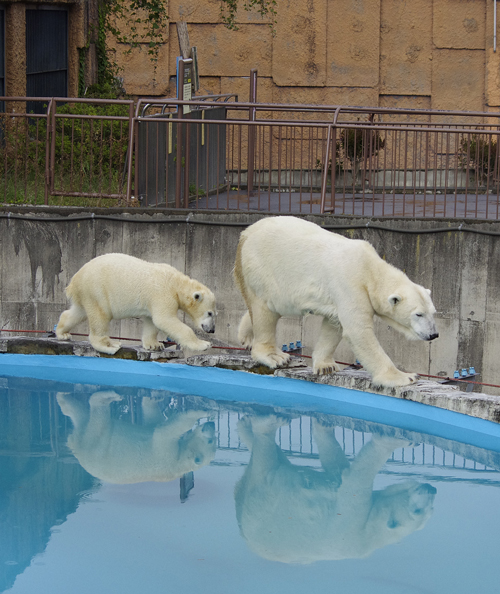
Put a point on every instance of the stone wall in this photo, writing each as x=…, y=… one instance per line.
x=421, y=54
x=38, y=258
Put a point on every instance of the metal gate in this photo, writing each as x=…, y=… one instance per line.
x=201, y=153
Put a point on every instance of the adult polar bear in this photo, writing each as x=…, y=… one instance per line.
x=118, y=286
x=287, y=266
x=296, y=514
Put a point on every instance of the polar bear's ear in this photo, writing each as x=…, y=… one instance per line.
x=428, y=291
x=198, y=296
x=394, y=299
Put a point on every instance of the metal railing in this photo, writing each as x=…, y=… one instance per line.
x=218, y=153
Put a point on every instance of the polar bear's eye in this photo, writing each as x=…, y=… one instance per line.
x=419, y=315
x=197, y=296
x=210, y=314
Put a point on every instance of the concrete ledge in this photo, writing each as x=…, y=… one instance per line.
x=433, y=393
x=449, y=397
x=21, y=345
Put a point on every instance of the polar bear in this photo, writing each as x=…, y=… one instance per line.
x=287, y=266
x=118, y=286
x=295, y=514
x=118, y=452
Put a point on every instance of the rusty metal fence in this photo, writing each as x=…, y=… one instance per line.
x=218, y=153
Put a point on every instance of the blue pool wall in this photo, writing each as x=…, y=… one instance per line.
x=237, y=386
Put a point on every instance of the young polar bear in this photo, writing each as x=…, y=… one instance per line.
x=118, y=286
x=286, y=266
x=116, y=451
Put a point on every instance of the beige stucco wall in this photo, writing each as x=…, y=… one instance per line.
x=424, y=53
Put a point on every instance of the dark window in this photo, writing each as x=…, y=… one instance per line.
x=2, y=59
x=46, y=56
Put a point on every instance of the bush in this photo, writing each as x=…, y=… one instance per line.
x=90, y=154
x=479, y=154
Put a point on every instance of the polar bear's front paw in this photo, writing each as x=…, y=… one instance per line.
x=198, y=345
x=270, y=358
x=325, y=367
x=152, y=345
x=63, y=335
x=395, y=379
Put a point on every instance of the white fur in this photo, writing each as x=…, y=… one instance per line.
x=119, y=452
x=118, y=286
x=295, y=514
x=287, y=266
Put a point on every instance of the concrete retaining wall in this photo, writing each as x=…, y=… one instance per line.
x=38, y=258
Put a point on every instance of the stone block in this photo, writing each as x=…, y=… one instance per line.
x=493, y=78
x=352, y=43
x=300, y=44
x=164, y=243
x=209, y=85
x=363, y=96
x=490, y=368
x=444, y=350
x=209, y=11
x=222, y=52
x=458, y=80
x=240, y=85
x=406, y=48
x=474, y=279
x=405, y=102
x=459, y=24
x=142, y=76
x=194, y=11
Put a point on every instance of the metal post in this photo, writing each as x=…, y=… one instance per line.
x=178, y=152
x=494, y=25
x=130, y=154
x=251, y=131
x=324, y=180
x=48, y=151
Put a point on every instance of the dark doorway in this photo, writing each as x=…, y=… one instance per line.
x=46, y=56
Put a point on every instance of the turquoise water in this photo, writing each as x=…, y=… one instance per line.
x=147, y=478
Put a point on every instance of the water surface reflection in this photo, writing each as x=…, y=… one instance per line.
x=92, y=480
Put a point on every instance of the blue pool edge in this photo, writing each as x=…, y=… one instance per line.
x=239, y=386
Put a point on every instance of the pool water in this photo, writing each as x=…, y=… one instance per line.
x=136, y=488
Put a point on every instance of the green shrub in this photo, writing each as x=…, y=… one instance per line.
x=479, y=153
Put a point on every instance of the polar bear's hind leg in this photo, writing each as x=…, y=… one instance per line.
x=99, y=332
x=150, y=335
x=245, y=331
x=264, y=348
x=329, y=338
x=68, y=320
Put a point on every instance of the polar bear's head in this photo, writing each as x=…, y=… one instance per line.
x=197, y=446
x=399, y=510
x=201, y=308
x=410, y=310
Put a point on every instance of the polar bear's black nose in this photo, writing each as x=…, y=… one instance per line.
x=433, y=336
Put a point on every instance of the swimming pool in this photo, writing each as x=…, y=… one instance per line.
x=128, y=477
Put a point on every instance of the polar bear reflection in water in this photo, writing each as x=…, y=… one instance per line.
x=116, y=451
x=295, y=514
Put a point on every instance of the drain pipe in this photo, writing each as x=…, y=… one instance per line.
x=495, y=25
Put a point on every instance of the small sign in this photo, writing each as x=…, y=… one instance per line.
x=186, y=82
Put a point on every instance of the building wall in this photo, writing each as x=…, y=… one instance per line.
x=425, y=53
x=38, y=258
